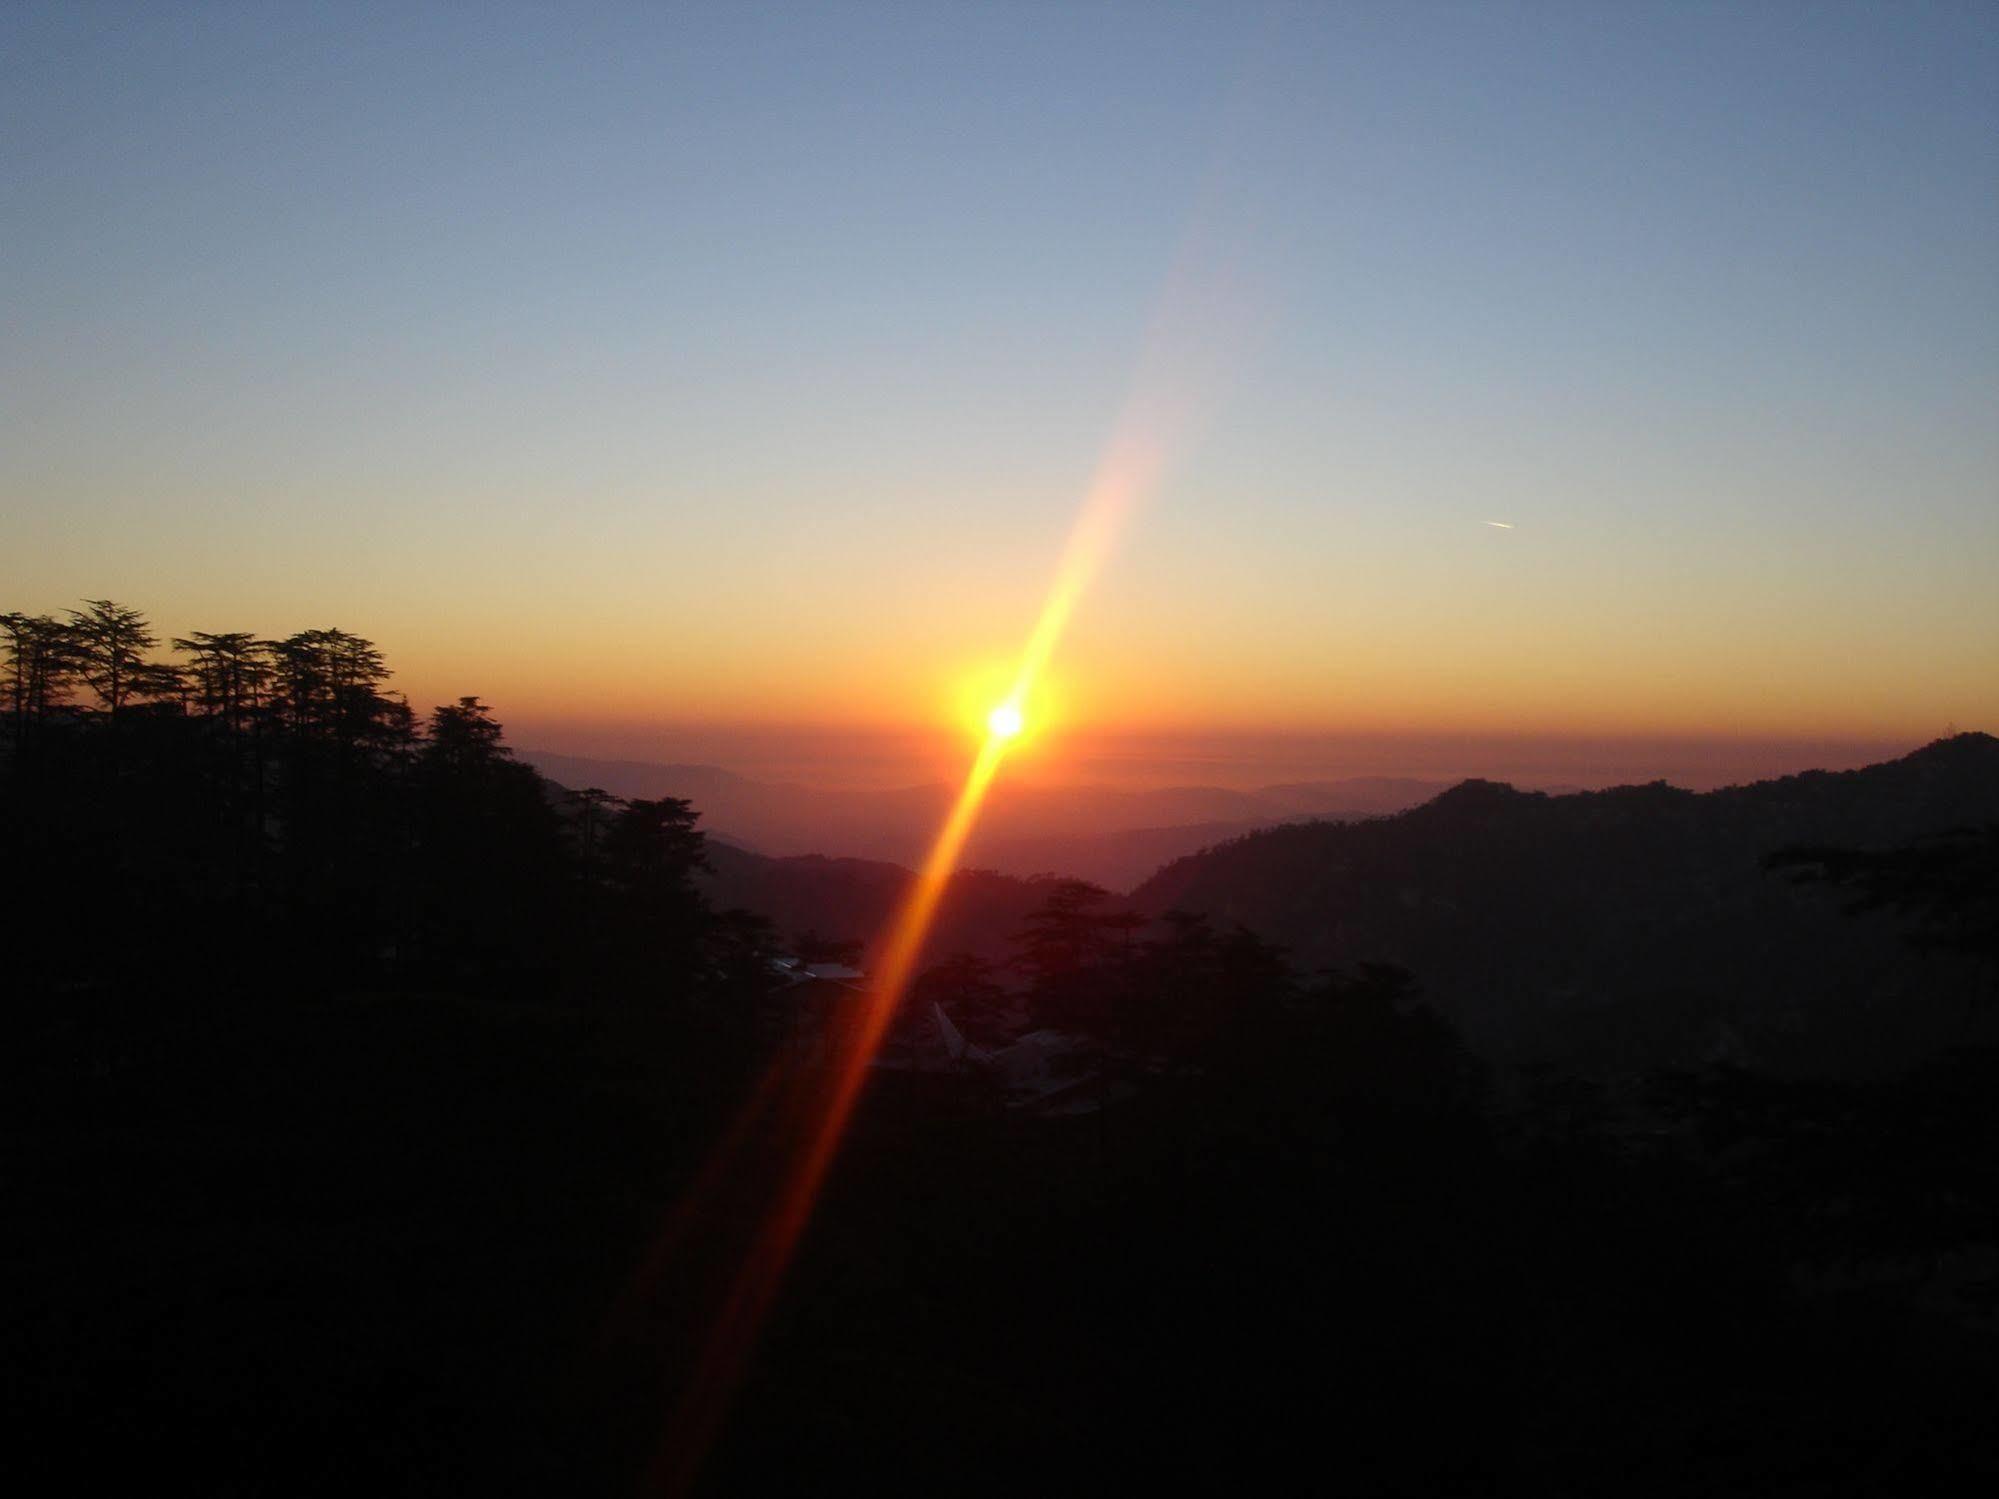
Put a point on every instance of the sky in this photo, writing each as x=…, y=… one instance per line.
x=661, y=370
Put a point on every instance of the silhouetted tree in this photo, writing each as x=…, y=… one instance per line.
x=652, y=851
x=42, y=663
x=464, y=741
x=1061, y=947
x=110, y=641
x=230, y=674
x=592, y=809
x=280, y=1043
x=488, y=845
x=328, y=685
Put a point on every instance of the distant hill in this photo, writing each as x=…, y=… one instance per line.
x=1632, y=925
x=854, y=898
x=1116, y=860
x=1626, y=928
x=1112, y=836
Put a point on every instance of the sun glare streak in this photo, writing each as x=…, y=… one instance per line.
x=1187, y=350
x=1131, y=468
x=756, y=1283
x=733, y=1334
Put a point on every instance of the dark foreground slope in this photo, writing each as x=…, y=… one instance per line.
x=1635, y=926
x=376, y=1124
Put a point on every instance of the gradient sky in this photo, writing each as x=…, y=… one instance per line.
x=723, y=364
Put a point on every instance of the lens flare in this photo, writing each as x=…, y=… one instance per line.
x=733, y=1333
x=1177, y=379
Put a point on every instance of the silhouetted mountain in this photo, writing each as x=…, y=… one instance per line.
x=1116, y=860
x=1628, y=926
x=854, y=898
x=1121, y=858
x=1106, y=834
x=389, y=1119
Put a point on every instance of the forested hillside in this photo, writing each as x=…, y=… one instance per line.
x=1632, y=927
x=385, y=1119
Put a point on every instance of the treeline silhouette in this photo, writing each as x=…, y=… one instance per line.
x=268, y=806
x=346, y=1057
x=354, y=1070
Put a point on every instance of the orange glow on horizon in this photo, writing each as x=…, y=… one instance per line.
x=1177, y=376
x=1129, y=470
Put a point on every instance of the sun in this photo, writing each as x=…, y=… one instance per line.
x=1005, y=722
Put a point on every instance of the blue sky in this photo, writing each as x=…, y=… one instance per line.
x=664, y=336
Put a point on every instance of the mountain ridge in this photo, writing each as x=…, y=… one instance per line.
x=1610, y=923
x=1111, y=835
